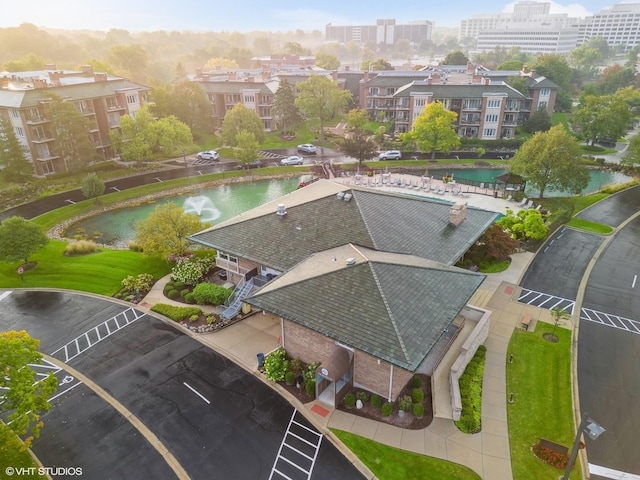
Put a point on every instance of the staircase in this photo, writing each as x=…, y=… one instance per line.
x=242, y=291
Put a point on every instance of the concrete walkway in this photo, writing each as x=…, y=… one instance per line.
x=487, y=452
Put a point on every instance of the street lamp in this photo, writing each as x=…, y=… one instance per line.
x=593, y=429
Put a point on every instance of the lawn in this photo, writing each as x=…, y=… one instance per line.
x=100, y=273
x=589, y=226
x=12, y=455
x=540, y=378
x=389, y=463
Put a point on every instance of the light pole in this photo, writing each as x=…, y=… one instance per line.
x=593, y=429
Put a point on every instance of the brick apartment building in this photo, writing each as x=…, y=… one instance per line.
x=101, y=97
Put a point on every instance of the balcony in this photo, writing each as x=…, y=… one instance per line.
x=41, y=139
x=47, y=158
x=113, y=107
x=36, y=120
x=231, y=266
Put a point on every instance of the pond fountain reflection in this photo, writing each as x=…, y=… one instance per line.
x=203, y=207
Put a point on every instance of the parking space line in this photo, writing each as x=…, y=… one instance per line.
x=545, y=300
x=4, y=295
x=610, y=320
x=196, y=392
x=95, y=332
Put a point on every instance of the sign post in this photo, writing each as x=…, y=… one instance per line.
x=21, y=272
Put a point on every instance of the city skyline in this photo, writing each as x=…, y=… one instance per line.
x=277, y=15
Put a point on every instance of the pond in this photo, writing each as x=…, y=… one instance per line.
x=599, y=179
x=213, y=205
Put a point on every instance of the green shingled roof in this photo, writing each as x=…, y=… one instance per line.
x=396, y=312
x=385, y=222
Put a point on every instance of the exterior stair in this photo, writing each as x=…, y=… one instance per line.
x=241, y=291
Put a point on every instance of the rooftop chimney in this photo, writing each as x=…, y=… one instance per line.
x=54, y=77
x=88, y=69
x=50, y=66
x=100, y=77
x=198, y=72
x=39, y=83
x=457, y=213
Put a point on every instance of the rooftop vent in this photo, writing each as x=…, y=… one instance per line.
x=340, y=195
x=457, y=213
x=347, y=197
x=281, y=210
x=350, y=261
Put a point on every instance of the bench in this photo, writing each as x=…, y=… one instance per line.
x=526, y=320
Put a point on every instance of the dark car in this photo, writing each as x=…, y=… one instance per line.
x=254, y=164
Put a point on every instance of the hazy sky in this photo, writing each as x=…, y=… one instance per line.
x=246, y=15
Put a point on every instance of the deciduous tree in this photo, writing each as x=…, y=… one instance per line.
x=320, y=100
x=19, y=238
x=378, y=64
x=551, y=160
x=524, y=225
x=92, y=186
x=247, y=149
x=189, y=103
x=433, y=130
x=494, y=243
x=24, y=396
x=539, y=121
x=455, y=58
x=240, y=118
x=165, y=231
x=632, y=155
x=604, y=116
x=327, y=61
x=358, y=142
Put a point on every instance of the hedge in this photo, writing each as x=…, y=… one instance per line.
x=177, y=314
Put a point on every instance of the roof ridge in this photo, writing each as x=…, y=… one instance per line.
x=391, y=316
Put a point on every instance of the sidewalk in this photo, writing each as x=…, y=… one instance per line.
x=487, y=452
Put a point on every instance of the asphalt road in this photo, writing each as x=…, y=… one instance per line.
x=614, y=209
x=218, y=420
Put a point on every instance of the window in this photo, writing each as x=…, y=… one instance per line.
x=542, y=104
x=43, y=151
x=420, y=102
x=47, y=168
x=545, y=92
x=493, y=104
x=491, y=118
x=19, y=132
x=132, y=99
x=249, y=99
x=489, y=132
x=114, y=119
x=15, y=113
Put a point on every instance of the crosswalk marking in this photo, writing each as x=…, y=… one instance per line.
x=610, y=320
x=545, y=300
x=84, y=342
x=298, y=451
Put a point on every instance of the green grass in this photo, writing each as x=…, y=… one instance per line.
x=389, y=463
x=100, y=273
x=13, y=455
x=560, y=119
x=540, y=378
x=589, y=226
x=495, y=266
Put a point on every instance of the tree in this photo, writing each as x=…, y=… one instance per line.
x=15, y=167
x=326, y=61
x=494, y=243
x=132, y=59
x=284, y=106
x=379, y=64
x=320, y=99
x=72, y=129
x=218, y=62
x=520, y=84
x=31, y=62
x=433, y=130
x=551, y=160
x=247, y=149
x=511, y=65
x=189, y=103
x=455, y=58
x=92, y=186
x=165, y=231
x=19, y=238
x=524, y=225
x=240, y=118
x=598, y=117
x=554, y=67
x=359, y=143
x=631, y=157
x=295, y=48
x=558, y=315
x=539, y=121
x=24, y=396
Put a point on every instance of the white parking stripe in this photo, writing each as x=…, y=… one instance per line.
x=302, y=461
x=4, y=295
x=610, y=320
x=544, y=300
x=196, y=392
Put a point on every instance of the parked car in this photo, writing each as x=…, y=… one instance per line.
x=208, y=155
x=307, y=148
x=390, y=155
x=254, y=164
x=292, y=160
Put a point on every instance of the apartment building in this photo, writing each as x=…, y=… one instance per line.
x=534, y=40
x=487, y=107
x=385, y=32
x=618, y=24
x=102, y=98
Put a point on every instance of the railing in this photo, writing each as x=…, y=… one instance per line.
x=242, y=290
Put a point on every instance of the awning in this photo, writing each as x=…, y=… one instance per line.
x=338, y=364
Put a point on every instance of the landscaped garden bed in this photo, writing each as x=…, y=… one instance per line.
x=195, y=319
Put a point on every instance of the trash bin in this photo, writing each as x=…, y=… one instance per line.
x=495, y=194
x=260, y=360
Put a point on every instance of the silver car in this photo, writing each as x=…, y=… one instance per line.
x=208, y=155
x=307, y=148
x=292, y=160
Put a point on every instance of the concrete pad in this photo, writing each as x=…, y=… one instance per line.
x=497, y=468
x=496, y=383
x=496, y=344
x=503, y=330
x=413, y=441
x=493, y=397
x=469, y=441
x=495, y=445
x=434, y=445
x=495, y=370
x=460, y=454
x=341, y=420
x=389, y=435
x=495, y=427
x=494, y=358
x=494, y=411
x=442, y=427
x=364, y=427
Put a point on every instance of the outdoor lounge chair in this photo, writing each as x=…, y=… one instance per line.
x=523, y=202
x=509, y=198
x=529, y=204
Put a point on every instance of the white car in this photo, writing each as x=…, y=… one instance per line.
x=208, y=155
x=390, y=155
x=292, y=160
x=307, y=148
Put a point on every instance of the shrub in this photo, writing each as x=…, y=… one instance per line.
x=290, y=377
x=134, y=247
x=194, y=318
x=387, y=409
x=416, y=382
x=211, y=319
x=80, y=247
x=189, y=298
x=405, y=403
x=173, y=294
x=175, y=313
x=310, y=387
x=191, y=271
x=178, y=285
x=184, y=292
x=418, y=410
x=209, y=293
x=296, y=365
x=140, y=283
x=349, y=400
x=310, y=373
x=362, y=396
x=276, y=365
x=376, y=401
x=417, y=395
x=471, y=393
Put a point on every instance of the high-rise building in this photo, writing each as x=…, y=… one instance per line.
x=618, y=24
x=385, y=31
